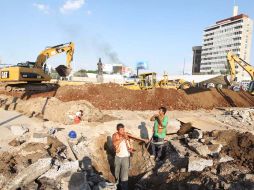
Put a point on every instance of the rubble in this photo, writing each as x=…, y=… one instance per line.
x=196, y=134
x=29, y=174
x=16, y=142
x=198, y=164
x=39, y=138
x=57, y=172
x=199, y=148
x=192, y=159
x=238, y=117
x=225, y=159
x=19, y=130
x=215, y=149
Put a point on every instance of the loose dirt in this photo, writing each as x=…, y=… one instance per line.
x=114, y=97
x=240, y=146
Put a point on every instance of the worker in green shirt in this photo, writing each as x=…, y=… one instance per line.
x=159, y=132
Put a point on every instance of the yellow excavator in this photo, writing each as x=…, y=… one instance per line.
x=232, y=60
x=29, y=75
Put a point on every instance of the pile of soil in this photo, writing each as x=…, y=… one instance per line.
x=240, y=146
x=114, y=97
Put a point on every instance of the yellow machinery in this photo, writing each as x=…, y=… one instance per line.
x=146, y=81
x=35, y=72
x=232, y=60
x=176, y=84
x=149, y=81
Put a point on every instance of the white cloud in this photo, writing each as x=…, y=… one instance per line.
x=71, y=5
x=42, y=7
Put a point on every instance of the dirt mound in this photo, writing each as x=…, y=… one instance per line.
x=114, y=97
x=240, y=146
x=53, y=109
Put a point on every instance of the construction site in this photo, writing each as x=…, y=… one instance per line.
x=62, y=129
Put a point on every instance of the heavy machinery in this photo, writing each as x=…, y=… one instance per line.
x=176, y=84
x=149, y=81
x=232, y=60
x=29, y=75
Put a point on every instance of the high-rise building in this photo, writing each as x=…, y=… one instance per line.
x=231, y=34
x=196, y=59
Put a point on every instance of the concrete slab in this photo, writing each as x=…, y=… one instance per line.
x=204, y=124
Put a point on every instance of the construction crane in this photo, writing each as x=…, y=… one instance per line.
x=232, y=60
x=27, y=76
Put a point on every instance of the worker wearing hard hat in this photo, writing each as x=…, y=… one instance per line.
x=78, y=116
x=159, y=132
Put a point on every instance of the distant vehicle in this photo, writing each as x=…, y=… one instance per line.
x=210, y=85
x=245, y=84
x=236, y=88
x=132, y=78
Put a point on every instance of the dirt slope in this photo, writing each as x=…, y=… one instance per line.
x=114, y=97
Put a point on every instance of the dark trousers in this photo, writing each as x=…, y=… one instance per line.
x=157, y=148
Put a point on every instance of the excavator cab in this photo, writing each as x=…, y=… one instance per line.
x=147, y=81
x=251, y=88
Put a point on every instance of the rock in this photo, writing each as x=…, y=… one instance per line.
x=227, y=168
x=185, y=128
x=215, y=149
x=198, y=164
x=30, y=186
x=182, y=170
x=213, y=142
x=225, y=159
x=106, y=186
x=16, y=142
x=199, y=148
x=2, y=181
x=179, y=148
x=56, y=173
x=78, y=181
x=249, y=177
x=196, y=134
x=29, y=174
x=202, y=140
x=19, y=130
x=39, y=138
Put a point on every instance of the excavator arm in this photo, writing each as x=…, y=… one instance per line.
x=54, y=50
x=232, y=59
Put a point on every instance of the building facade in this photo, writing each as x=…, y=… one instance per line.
x=196, y=59
x=231, y=34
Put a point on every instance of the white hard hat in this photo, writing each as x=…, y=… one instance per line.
x=78, y=114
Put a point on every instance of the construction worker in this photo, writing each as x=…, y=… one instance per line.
x=159, y=132
x=78, y=117
x=122, y=146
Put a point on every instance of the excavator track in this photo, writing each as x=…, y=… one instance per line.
x=29, y=87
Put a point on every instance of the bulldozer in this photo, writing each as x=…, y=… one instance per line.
x=149, y=81
x=233, y=59
x=29, y=76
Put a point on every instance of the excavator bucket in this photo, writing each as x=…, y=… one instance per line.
x=63, y=71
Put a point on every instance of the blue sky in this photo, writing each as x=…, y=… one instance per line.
x=161, y=32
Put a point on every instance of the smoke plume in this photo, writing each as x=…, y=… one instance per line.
x=110, y=53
